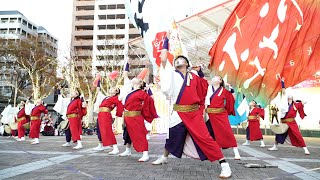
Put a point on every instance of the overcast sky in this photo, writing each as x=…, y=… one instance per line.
x=56, y=15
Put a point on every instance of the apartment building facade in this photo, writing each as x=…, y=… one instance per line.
x=101, y=31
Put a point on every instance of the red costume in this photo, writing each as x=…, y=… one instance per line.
x=139, y=101
x=194, y=94
x=105, y=119
x=293, y=130
x=253, y=130
x=35, y=120
x=21, y=119
x=83, y=113
x=222, y=105
x=74, y=115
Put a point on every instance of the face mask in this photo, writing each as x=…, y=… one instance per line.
x=179, y=62
x=216, y=79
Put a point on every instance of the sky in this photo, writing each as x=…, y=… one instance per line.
x=56, y=15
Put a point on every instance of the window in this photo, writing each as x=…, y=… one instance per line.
x=111, y=26
x=119, y=36
x=110, y=47
x=12, y=31
x=24, y=33
x=112, y=6
x=83, y=48
x=120, y=6
x=100, y=27
x=24, y=22
x=120, y=26
x=84, y=8
x=132, y=36
x=84, y=28
x=79, y=18
x=13, y=20
x=105, y=37
x=111, y=17
x=121, y=16
x=4, y=20
x=131, y=26
x=102, y=17
x=30, y=26
x=19, y=20
x=102, y=7
x=3, y=31
x=79, y=38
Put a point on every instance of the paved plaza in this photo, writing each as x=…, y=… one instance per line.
x=48, y=160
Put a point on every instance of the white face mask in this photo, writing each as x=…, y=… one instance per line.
x=180, y=62
x=216, y=79
x=136, y=83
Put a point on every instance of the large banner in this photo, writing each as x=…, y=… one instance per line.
x=264, y=41
x=154, y=20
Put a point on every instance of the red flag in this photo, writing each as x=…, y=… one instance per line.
x=157, y=46
x=264, y=40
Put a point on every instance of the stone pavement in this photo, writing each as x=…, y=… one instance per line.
x=48, y=160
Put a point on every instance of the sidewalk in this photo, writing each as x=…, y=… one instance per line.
x=48, y=160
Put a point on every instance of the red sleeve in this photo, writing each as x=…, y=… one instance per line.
x=230, y=103
x=84, y=111
x=119, y=108
x=261, y=113
x=149, y=110
x=300, y=108
x=80, y=109
x=44, y=109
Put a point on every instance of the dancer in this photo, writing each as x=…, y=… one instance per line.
x=74, y=115
x=35, y=119
x=188, y=91
x=220, y=104
x=293, y=131
x=105, y=118
x=139, y=106
x=21, y=119
x=253, y=131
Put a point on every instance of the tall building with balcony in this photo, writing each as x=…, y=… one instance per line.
x=15, y=26
x=101, y=31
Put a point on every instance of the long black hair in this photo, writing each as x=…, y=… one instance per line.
x=118, y=91
x=222, y=84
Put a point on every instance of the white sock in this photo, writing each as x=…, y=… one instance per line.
x=236, y=152
x=145, y=153
x=165, y=158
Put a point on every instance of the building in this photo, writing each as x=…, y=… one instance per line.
x=15, y=26
x=100, y=32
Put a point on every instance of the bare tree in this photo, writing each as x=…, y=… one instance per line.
x=36, y=63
